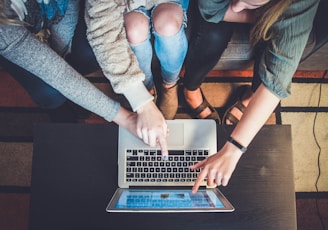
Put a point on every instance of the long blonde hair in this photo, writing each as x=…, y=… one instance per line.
x=267, y=16
x=3, y=17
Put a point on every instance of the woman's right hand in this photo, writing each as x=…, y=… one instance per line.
x=152, y=127
x=148, y=124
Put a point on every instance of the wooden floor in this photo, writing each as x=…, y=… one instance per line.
x=18, y=113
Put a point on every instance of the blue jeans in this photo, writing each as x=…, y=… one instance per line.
x=171, y=51
x=79, y=55
x=41, y=93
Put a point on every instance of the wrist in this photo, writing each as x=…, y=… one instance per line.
x=236, y=144
x=145, y=108
x=138, y=96
x=122, y=117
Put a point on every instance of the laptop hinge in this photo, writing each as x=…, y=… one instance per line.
x=164, y=187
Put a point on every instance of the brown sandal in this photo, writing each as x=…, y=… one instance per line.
x=238, y=104
x=213, y=115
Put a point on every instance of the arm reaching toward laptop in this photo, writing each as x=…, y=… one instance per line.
x=283, y=32
x=219, y=167
x=20, y=46
x=152, y=137
x=107, y=37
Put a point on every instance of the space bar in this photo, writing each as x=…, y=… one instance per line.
x=176, y=152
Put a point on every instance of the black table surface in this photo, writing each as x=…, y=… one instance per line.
x=74, y=175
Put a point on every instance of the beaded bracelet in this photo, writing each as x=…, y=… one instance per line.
x=237, y=144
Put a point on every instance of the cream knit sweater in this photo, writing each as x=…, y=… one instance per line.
x=107, y=37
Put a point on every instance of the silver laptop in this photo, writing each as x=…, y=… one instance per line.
x=147, y=183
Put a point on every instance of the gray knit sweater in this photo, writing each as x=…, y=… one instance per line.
x=107, y=37
x=19, y=46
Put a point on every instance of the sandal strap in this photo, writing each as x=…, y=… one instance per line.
x=240, y=106
x=201, y=107
x=229, y=116
x=205, y=104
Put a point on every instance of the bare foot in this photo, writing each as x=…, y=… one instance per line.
x=152, y=91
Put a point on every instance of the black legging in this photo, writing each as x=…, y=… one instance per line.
x=207, y=43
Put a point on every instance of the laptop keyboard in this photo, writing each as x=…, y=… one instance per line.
x=148, y=165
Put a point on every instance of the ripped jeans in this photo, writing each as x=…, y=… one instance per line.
x=170, y=51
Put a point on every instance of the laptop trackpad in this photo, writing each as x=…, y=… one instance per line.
x=176, y=135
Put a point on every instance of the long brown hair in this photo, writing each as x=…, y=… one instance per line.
x=3, y=17
x=267, y=16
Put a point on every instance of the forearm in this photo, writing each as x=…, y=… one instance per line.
x=23, y=49
x=107, y=37
x=127, y=120
x=259, y=109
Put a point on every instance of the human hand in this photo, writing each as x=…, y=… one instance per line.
x=127, y=119
x=217, y=168
x=152, y=127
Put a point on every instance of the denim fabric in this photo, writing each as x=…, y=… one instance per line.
x=63, y=31
x=61, y=36
x=53, y=7
x=41, y=93
x=170, y=51
x=144, y=54
x=40, y=14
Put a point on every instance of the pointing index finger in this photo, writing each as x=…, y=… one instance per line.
x=199, y=179
x=163, y=144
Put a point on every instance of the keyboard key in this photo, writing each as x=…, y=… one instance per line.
x=146, y=165
x=176, y=152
